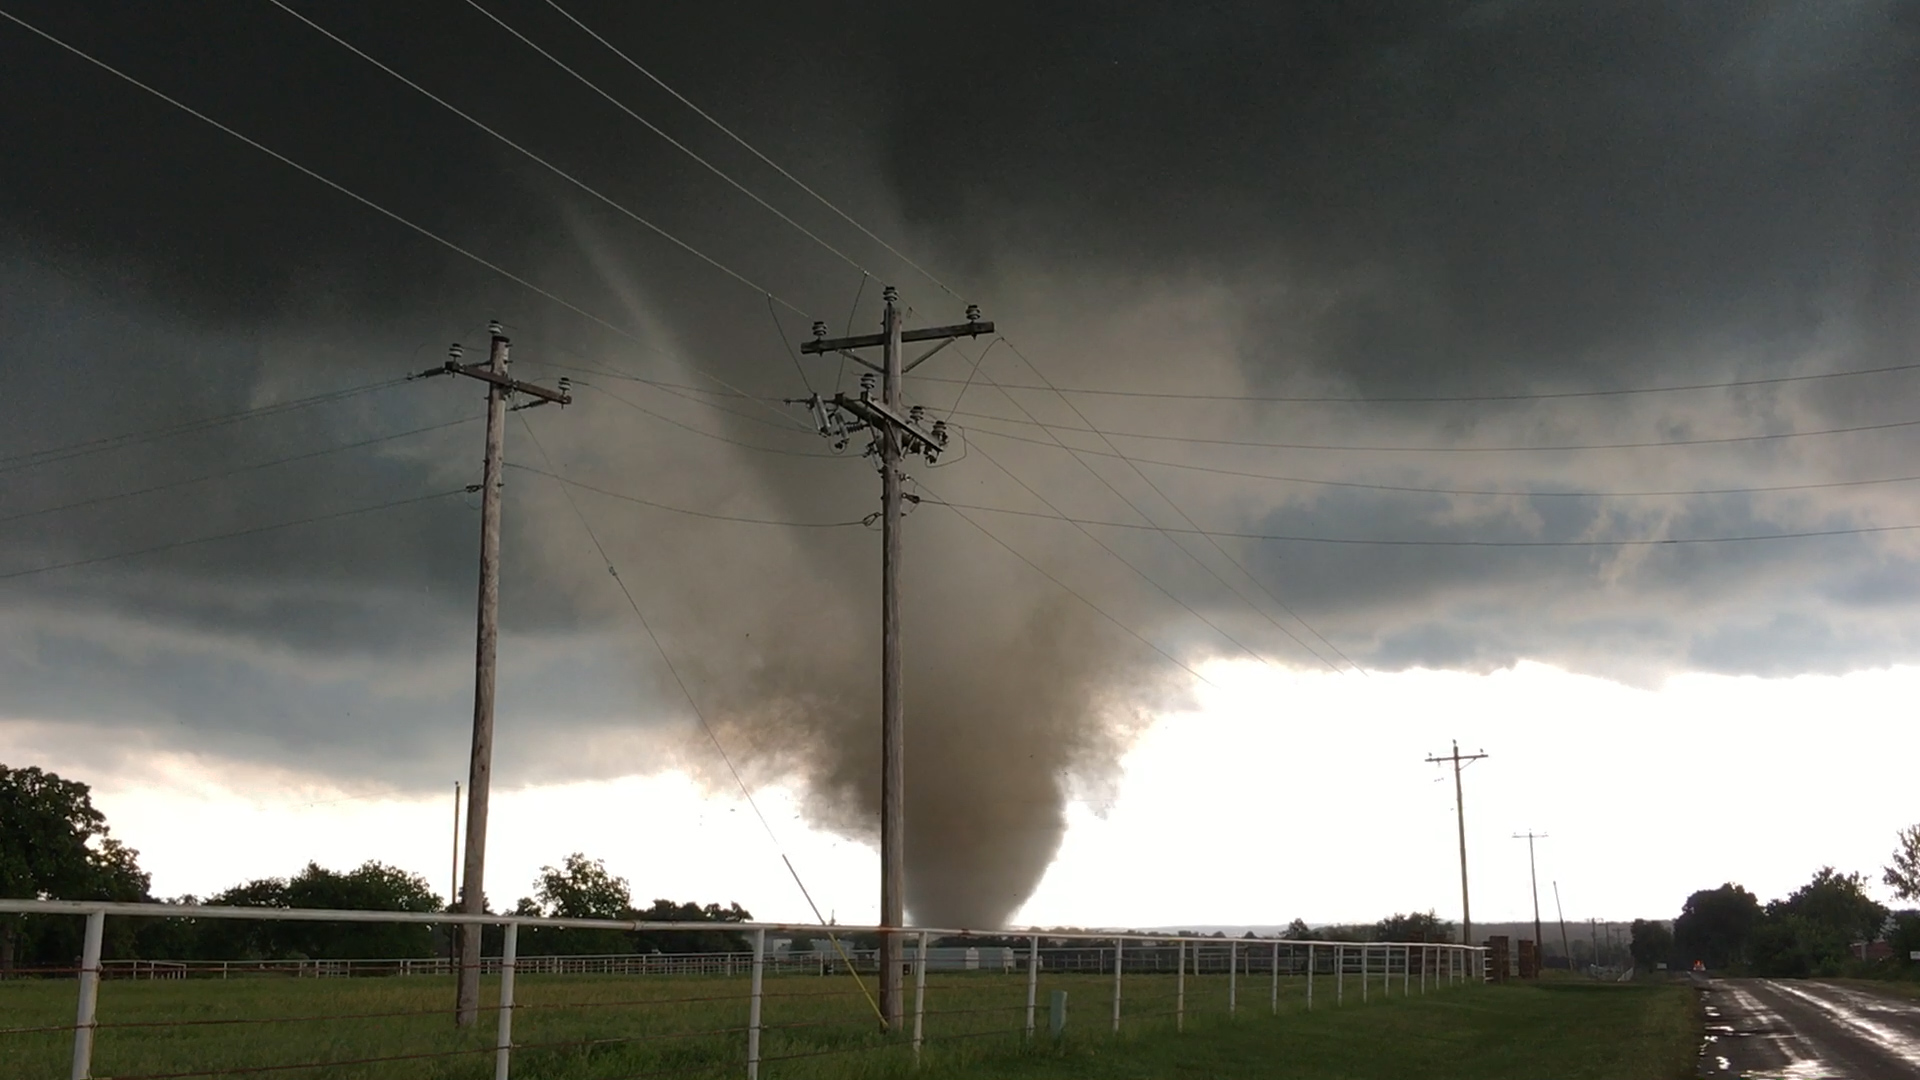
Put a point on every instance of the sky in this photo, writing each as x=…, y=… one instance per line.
x=1505, y=373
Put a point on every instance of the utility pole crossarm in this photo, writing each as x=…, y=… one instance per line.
x=907, y=337
x=876, y=414
x=485, y=373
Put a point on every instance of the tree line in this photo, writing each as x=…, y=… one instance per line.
x=1812, y=931
x=1418, y=926
x=54, y=844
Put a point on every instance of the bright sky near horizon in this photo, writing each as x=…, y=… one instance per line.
x=1282, y=795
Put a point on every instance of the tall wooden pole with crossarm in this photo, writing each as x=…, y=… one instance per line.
x=898, y=433
x=500, y=387
x=1459, y=761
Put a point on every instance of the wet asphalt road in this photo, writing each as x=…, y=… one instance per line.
x=1788, y=1029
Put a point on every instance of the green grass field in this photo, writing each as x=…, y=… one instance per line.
x=607, y=1027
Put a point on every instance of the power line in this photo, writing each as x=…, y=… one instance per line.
x=709, y=515
x=1312, y=398
x=311, y=174
x=676, y=143
x=686, y=692
x=1501, y=397
x=974, y=367
x=663, y=418
x=1164, y=497
x=1417, y=490
x=853, y=312
x=781, y=332
x=51, y=454
x=1381, y=542
x=543, y=162
x=1549, y=395
x=683, y=390
x=1144, y=516
x=235, y=471
x=960, y=511
x=253, y=531
x=750, y=148
x=1648, y=444
x=359, y=198
x=1058, y=514
x=782, y=420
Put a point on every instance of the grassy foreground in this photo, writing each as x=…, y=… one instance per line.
x=604, y=1028
x=1568, y=1031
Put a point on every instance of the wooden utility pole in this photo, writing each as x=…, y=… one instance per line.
x=500, y=386
x=1539, y=946
x=897, y=433
x=1561, y=913
x=1460, y=806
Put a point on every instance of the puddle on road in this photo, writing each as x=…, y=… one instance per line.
x=1757, y=1022
x=1894, y=1043
x=1801, y=1070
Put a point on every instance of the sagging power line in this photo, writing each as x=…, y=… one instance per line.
x=1388, y=448
x=697, y=395
x=1442, y=399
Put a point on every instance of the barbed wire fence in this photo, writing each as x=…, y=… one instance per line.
x=775, y=1009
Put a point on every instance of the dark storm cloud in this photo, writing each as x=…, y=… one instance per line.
x=1449, y=194
x=1393, y=198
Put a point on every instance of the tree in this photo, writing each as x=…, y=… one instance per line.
x=1419, y=926
x=236, y=939
x=1904, y=875
x=580, y=888
x=373, y=886
x=1904, y=937
x=1839, y=902
x=1652, y=944
x=55, y=845
x=685, y=941
x=1298, y=930
x=583, y=889
x=1811, y=931
x=1715, y=926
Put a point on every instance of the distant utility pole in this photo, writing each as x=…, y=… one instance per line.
x=500, y=386
x=1561, y=913
x=1533, y=875
x=1460, y=761
x=897, y=432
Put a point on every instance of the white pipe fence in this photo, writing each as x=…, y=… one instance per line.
x=1063, y=953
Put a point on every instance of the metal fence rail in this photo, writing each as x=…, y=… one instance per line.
x=714, y=1026
x=709, y=963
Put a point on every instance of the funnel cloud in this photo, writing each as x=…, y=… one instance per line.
x=1006, y=720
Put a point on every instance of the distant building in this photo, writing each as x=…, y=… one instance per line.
x=1873, y=950
x=964, y=959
